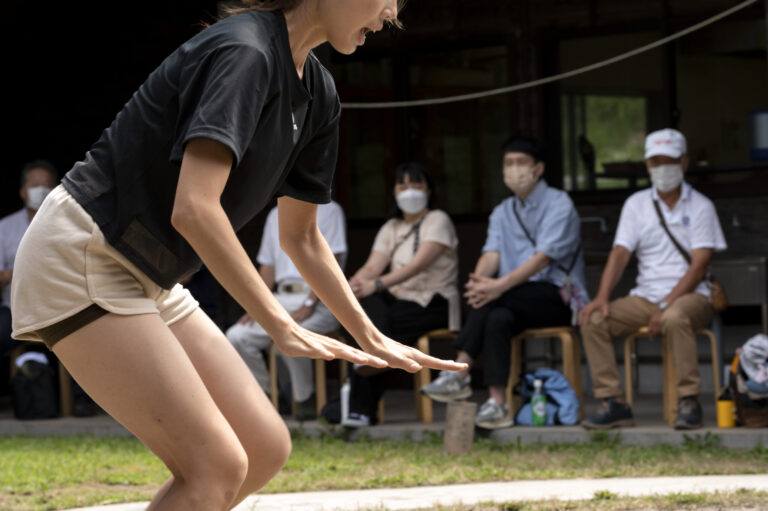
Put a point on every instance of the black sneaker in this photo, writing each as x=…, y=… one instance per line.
x=306, y=410
x=688, y=413
x=85, y=407
x=612, y=414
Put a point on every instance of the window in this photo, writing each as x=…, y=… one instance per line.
x=603, y=140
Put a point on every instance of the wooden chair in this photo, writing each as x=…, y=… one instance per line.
x=668, y=370
x=571, y=361
x=423, y=404
x=65, y=381
x=321, y=396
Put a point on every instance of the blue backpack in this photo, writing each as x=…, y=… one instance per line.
x=562, y=402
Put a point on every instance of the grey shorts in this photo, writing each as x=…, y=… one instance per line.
x=66, y=275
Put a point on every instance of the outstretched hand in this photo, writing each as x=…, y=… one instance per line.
x=300, y=342
x=400, y=356
x=384, y=352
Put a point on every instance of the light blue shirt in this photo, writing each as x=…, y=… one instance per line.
x=12, y=228
x=552, y=221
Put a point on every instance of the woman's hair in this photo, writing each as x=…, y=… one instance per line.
x=236, y=7
x=259, y=5
x=417, y=173
x=38, y=164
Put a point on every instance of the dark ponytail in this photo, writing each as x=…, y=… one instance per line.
x=259, y=5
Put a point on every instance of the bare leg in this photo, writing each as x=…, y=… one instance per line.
x=248, y=411
x=135, y=368
x=464, y=359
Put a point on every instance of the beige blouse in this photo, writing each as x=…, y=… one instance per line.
x=396, y=239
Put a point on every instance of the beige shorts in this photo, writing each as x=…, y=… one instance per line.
x=66, y=274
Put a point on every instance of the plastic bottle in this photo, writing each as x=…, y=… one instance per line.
x=538, y=404
x=345, y=389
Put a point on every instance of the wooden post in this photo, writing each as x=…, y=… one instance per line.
x=459, y=427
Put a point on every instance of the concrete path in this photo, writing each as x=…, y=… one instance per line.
x=468, y=494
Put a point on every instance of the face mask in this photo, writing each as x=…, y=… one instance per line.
x=36, y=195
x=667, y=177
x=411, y=201
x=520, y=180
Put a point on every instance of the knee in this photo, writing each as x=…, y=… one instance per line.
x=500, y=317
x=594, y=323
x=674, y=318
x=218, y=474
x=267, y=459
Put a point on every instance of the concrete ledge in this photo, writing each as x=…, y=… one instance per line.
x=645, y=436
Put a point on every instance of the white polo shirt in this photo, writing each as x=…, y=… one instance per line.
x=694, y=224
x=332, y=225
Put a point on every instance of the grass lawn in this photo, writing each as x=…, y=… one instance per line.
x=58, y=473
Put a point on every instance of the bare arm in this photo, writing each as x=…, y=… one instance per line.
x=614, y=269
x=5, y=277
x=300, y=238
x=199, y=217
x=427, y=254
x=483, y=289
x=373, y=267
x=525, y=271
x=267, y=273
x=488, y=264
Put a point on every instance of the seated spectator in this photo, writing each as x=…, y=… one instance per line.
x=530, y=275
x=418, y=294
x=38, y=178
x=280, y=274
x=671, y=298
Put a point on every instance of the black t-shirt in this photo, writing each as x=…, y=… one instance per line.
x=236, y=83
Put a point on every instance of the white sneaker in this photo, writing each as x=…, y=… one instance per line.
x=448, y=386
x=493, y=416
x=356, y=420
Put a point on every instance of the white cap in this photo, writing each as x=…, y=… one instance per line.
x=666, y=142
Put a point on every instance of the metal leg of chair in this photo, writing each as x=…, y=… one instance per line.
x=320, y=395
x=65, y=391
x=273, y=391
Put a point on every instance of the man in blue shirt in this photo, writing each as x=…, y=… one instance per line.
x=530, y=275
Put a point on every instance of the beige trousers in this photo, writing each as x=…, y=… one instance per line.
x=626, y=315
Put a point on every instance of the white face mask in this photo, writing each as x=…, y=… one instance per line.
x=520, y=180
x=35, y=196
x=411, y=201
x=667, y=177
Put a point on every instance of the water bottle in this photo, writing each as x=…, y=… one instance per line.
x=538, y=404
x=345, y=390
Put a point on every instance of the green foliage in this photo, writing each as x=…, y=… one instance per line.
x=604, y=495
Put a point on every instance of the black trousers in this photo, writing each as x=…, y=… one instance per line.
x=403, y=321
x=489, y=329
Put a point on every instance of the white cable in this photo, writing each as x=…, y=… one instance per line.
x=542, y=81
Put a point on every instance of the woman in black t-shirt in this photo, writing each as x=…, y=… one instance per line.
x=240, y=113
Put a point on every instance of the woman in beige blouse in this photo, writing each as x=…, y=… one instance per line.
x=419, y=292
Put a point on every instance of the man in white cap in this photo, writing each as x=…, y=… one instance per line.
x=671, y=297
